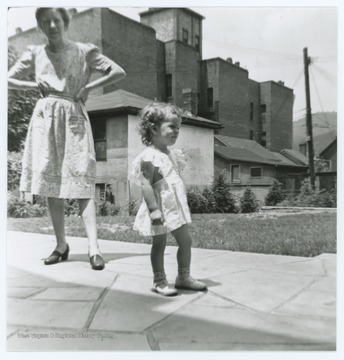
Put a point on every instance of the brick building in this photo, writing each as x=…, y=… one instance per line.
x=162, y=56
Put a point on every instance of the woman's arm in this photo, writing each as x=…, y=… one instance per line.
x=116, y=73
x=15, y=84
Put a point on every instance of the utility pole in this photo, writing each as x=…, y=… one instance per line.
x=309, y=137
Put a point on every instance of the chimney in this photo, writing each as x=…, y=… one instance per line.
x=230, y=60
x=19, y=30
x=190, y=101
x=237, y=63
x=280, y=82
x=72, y=12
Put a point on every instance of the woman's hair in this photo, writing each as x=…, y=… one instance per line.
x=152, y=116
x=63, y=12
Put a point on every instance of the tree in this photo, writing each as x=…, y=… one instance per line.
x=20, y=108
x=275, y=194
x=224, y=199
x=248, y=202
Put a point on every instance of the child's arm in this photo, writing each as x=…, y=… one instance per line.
x=147, y=174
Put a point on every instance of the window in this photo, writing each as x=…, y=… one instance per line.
x=251, y=134
x=185, y=36
x=210, y=96
x=263, y=108
x=168, y=85
x=263, y=139
x=100, y=192
x=99, y=136
x=235, y=171
x=251, y=111
x=197, y=42
x=256, y=172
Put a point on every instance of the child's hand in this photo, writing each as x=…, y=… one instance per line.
x=157, y=217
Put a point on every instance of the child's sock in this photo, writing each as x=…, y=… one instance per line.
x=183, y=272
x=159, y=276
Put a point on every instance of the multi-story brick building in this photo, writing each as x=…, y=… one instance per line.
x=162, y=56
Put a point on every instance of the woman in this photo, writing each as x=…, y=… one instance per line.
x=59, y=157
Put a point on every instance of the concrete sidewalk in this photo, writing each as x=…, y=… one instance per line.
x=254, y=301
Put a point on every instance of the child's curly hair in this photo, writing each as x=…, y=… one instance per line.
x=152, y=116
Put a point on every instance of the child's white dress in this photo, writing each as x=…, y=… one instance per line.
x=169, y=192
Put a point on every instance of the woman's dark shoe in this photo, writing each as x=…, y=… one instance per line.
x=97, y=262
x=56, y=256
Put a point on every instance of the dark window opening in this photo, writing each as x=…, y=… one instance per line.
x=99, y=137
x=256, y=172
x=210, y=96
x=168, y=85
x=185, y=36
x=263, y=108
x=100, y=192
x=197, y=42
x=263, y=139
x=251, y=111
x=251, y=134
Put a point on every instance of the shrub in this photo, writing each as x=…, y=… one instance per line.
x=209, y=198
x=224, y=199
x=14, y=168
x=275, y=194
x=248, y=201
x=105, y=208
x=133, y=207
x=21, y=209
x=309, y=197
x=71, y=207
x=196, y=200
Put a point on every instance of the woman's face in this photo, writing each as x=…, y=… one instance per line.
x=52, y=25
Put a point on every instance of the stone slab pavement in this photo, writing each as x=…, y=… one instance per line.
x=254, y=302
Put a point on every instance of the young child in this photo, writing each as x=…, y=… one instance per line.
x=164, y=207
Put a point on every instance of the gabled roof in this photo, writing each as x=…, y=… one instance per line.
x=239, y=154
x=125, y=100
x=115, y=100
x=247, y=144
x=287, y=162
x=245, y=155
x=328, y=147
x=295, y=156
x=250, y=151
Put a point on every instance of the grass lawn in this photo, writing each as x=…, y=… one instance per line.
x=300, y=234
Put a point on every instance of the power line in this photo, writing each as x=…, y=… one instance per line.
x=323, y=112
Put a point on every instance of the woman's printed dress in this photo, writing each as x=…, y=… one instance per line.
x=169, y=192
x=59, y=156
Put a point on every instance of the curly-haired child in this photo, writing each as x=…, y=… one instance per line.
x=164, y=207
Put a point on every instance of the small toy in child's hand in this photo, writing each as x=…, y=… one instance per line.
x=157, y=217
x=158, y=222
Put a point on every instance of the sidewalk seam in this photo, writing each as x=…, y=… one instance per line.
x=96, y=305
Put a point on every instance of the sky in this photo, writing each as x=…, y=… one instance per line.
x=267, y=41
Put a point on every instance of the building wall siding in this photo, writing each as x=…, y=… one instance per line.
x=133, y=46
x=114, y=170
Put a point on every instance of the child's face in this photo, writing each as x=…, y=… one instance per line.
x=167, y=133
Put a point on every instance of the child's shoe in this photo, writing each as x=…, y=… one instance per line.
x=189, y=283
x=164, y=288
